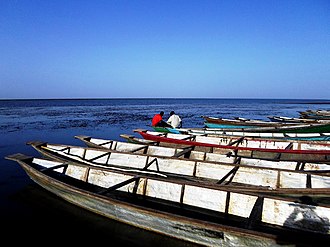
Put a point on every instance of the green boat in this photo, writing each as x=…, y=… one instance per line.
x=303, y=128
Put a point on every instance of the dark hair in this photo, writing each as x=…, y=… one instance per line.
x=172, y=112
x=161, y=113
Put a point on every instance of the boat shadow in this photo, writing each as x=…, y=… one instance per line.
x=40, y=213
x=307, y=217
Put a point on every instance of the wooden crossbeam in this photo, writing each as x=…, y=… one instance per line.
x=116, y=186
x=55, y=167
x=104, y=143
x=150, y=163
x=140, y=148
x=238, y=141
x=231, y=173
x=100, y=156
x=184, y=151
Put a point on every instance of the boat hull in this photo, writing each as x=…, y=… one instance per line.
x=317, y=128
x=245, y=178
x=193, y=230
x=226, y=133
x=246, y=152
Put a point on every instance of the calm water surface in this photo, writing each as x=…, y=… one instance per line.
x=30, y=213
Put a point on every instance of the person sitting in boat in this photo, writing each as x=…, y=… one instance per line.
x=174, y=120
x=157, y=121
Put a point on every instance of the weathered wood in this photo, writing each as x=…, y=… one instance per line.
x=119, y=185
x=184, y=151
x=55, y=167
x=150, y=163
x=266, y=126
x=236, y=133
x=217, y=155
x=230, y=173
x=239, y=140
x=320, y=153
x=243, y=177
x=206, y=215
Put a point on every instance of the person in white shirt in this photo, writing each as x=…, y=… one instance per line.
x=174, y=120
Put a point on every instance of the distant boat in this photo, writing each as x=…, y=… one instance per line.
x=243, y=122
x=205, y=215
x=283, y=119
x=248, y=125
x=248, y=152
x=315, y=114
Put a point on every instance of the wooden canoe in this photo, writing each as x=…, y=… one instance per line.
x=248, y=152
x=316, y=112
x=244, y=123
x=140, y=145
x=206, y=215
x=282, y=182
x=315, y=115
x=247, y=141
x=296, y=128
x=235, y=133
x=283, y=119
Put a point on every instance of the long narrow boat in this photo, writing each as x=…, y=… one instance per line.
x=247, y=152
x=140, y=145
x=206, y=215
x=234, y=133
x=243, y=123
x=316, y=115
x=296, y=128
x=238, y=177
x=316, y=112
x=246, y=141
x=283, y=119
x=241, y=141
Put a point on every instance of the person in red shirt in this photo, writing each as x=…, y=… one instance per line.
x=157, y=121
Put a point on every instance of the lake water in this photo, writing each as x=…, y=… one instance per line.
x=29, y=213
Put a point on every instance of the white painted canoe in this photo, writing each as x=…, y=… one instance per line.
x=140, y=145
x=206, y=215
x=288, y=153
x=238, y=177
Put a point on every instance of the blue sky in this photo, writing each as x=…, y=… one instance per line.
x=180, y=49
